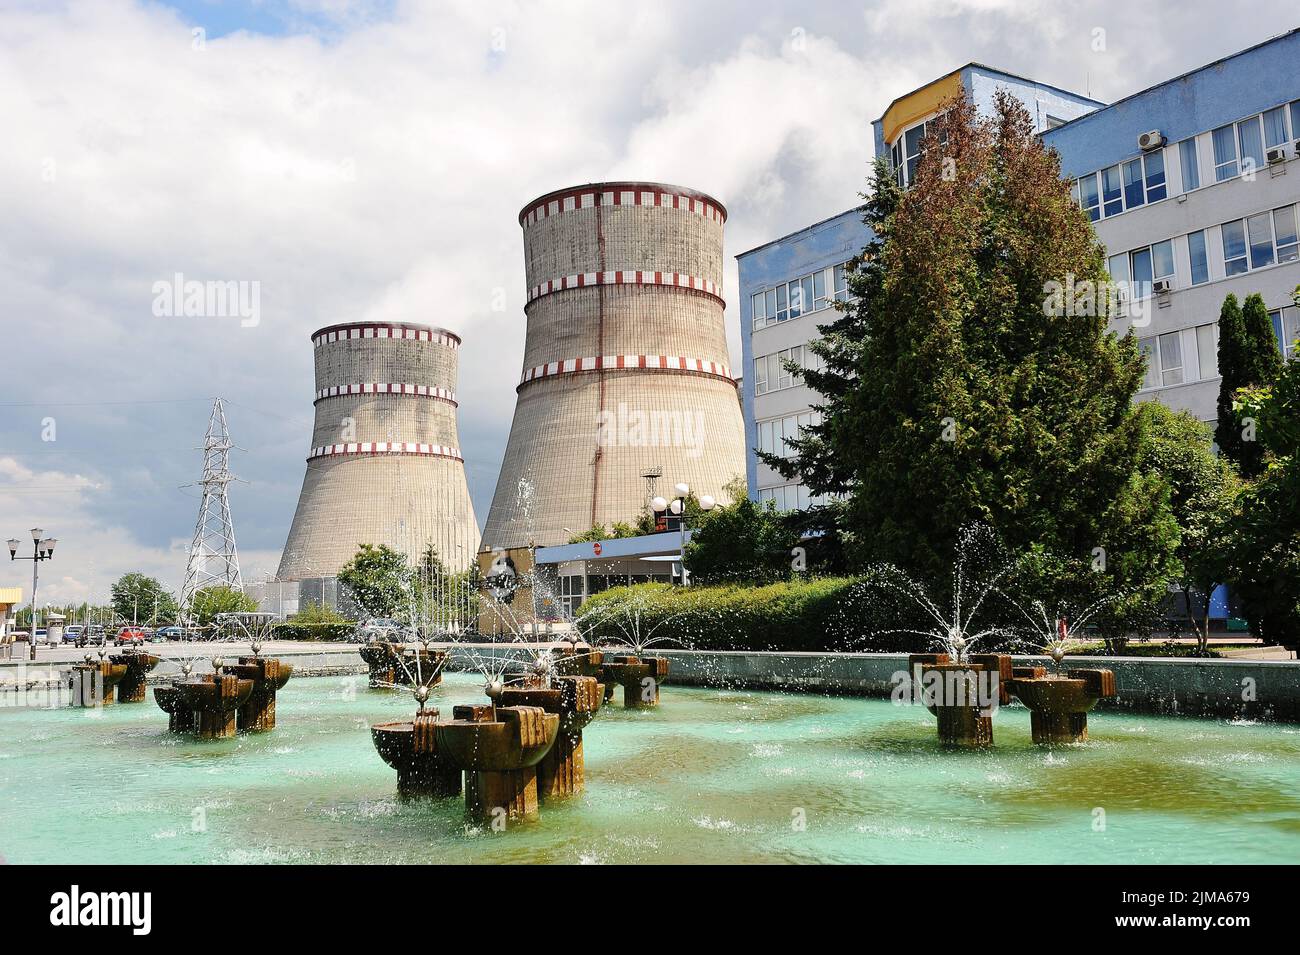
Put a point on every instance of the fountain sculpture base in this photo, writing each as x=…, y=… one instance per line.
x=412, y=749
x=1058, y=705
x=133, y=687
x=94, y=684
x=268, y=676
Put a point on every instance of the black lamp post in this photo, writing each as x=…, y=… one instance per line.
x=42, y=549
x=677, y=506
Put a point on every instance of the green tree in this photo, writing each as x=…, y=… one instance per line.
x=379, y=580
x=974, y=379
x=1203, y=489
x=1265, y=561
x=741, y=541
x=211, y=601
x=135, y=596
x=314, y=613
x=1232, y=375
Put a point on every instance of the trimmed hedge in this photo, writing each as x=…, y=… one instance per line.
x=829, y=613
x=312, y=631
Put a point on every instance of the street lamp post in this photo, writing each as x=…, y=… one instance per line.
x=677, y=506
x=42, y=549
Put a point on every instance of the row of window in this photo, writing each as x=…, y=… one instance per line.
x=791, y=497
x=1255, y=242
x=1173, y=358
x=1233, y=150
x=808, y=293
x=774, y=434
x=770, y=373
x=906, y=151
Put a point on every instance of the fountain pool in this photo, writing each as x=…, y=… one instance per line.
x=715, y=776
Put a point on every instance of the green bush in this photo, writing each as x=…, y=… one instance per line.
x=312, y=631
x=829, y=613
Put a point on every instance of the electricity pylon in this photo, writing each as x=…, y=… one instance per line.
x=213, y=559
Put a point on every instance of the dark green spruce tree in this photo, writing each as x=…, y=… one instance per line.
x=1232, y=375
x=973, y=377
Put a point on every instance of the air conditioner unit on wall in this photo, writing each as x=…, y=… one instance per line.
x=1275, y=155
x=1162, y=286
x=1151, y=140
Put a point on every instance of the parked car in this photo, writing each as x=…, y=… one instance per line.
x=130, y=635
x=91, y=636
x=73, y=634
x=42, y=636
x=377, y=628
x=170, y=633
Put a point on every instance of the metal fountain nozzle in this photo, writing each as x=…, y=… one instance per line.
x=90, y=658
x=256, y=647
x=1057, y=653
x=493, y=689
x=421, y=694
x=217, y=664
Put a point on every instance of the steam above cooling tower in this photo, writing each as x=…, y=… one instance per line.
x=625, y=362
x=385, y=465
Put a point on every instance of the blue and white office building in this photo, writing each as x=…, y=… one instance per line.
x=1192, y=186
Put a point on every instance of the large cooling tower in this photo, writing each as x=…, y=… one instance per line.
x=625, y=363
x=385, y=465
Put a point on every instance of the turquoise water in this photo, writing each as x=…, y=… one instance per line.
x=711, y=776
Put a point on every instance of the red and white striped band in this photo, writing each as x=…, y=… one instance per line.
x=381, y=388
x=586, y=198
x=627, y=277
x=386, y=447
x=574, y=366
x=415, y=333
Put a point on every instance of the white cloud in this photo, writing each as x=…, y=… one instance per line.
x=379, y=171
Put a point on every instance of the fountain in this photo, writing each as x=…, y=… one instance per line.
x=394, y=664
x=499, y=748
x=93, y=682
x=206, y=705
x=411, y=748
x=138, y=663
x=267, y=676
x=576, y=700
x=1059, y=703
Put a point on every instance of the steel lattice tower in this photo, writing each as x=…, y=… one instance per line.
x=213, y=558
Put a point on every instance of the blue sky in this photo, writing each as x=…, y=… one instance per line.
x=368, y=160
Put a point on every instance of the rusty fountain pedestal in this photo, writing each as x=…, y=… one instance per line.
x=1058, y=705
x=638, y=676
x=268, y=675
x=411, y=748
x=499, y=748
x=393, y=664
x=132, y=687
x=575, y=700
x=93, y=683
x=952, y=693
x=206, y=705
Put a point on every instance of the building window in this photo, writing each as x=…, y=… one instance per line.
x=1171, y=359
x=1251, y=142
x=1234, y=248
x=1225, y=153
x=1126, y=186
x=1152, y=377
x=1149, y=264
x=1207, y=351
x=1260, y=240
x=1295, y=119
x=1275, y=127
x=1112, y=192
x=842, y=283
x=1089, y=197
x=775, y=435
x=1200, y=260
x=1191, y=167
x=1284, y=226
x=1286, y=325
x=795, y=298
x=770, y=373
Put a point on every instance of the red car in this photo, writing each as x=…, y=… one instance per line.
x=130, y=635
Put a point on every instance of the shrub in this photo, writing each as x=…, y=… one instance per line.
x=312, y=631
x=824, y=614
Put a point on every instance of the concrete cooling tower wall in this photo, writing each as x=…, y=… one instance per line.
x=625, y=362
x=385, y=465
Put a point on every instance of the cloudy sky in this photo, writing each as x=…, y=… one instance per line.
x=364, y=160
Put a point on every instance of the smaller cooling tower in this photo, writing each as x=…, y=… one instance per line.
x=385, y=465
